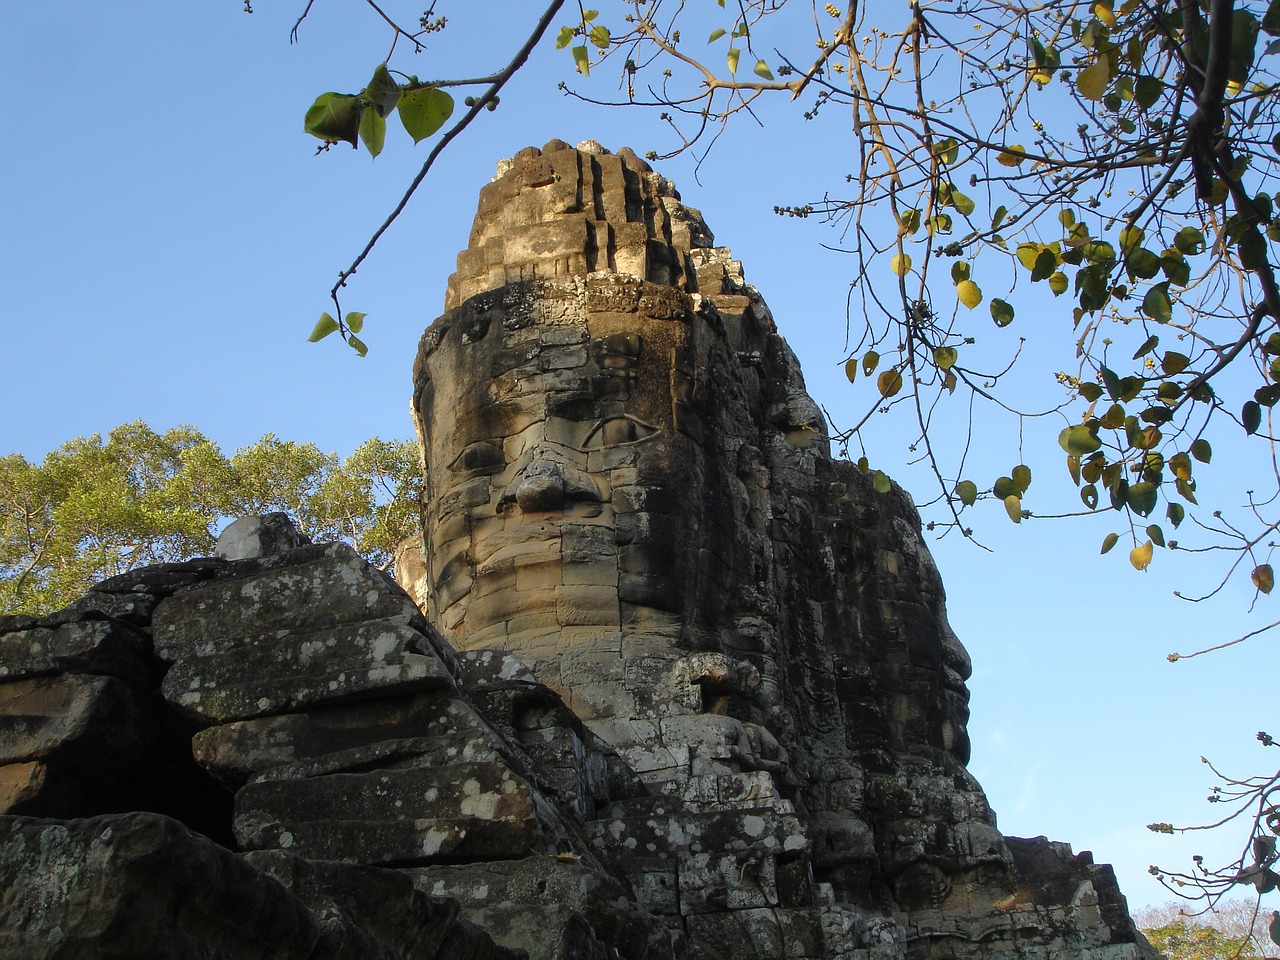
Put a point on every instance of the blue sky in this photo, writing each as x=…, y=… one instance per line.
x=169, y=239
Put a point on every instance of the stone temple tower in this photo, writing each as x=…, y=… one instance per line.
x=674, y=684
x=631, y=491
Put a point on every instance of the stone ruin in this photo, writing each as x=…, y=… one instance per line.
x=676, y=683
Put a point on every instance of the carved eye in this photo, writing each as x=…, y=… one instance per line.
x=615, y=431
x=480, y=459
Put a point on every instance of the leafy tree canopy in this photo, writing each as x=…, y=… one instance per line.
x=96, y=507
x=1234, y=928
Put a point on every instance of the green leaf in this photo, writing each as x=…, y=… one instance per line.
x=1046, y=263
x=1252, y=249
x=947, y=150
x=589, y=15
x=880, y=482
x=1028, y=254
x=1142, y=498
x=1080, y=440
x=334, y=117
x=1263, y=577
x=870, y=362
x=1111, y=382
x=582, y=60
x=851, y=369
x=962, y=203
x=1271, y=26
x=1001, y=312
x=1157, y=305
x=1189, y=241
x=1202, y=451
x=1058, y=283
x=732, y=58
x=1174, y=363
x=355, y=321
x=1148, y=345
x=1142, y=263
x=566, y=35
x=324, y=326
x=1244, y=35
x=910, y=219
x=599, y=36
x=1131, y=236
x=716, y=34
x=1089, y=496
x=1005, y=487
x=1093, y=80
x=1175, y=267
x=1090, y=390
x=1251, y=417
x=960, y=269
x=1176, y=513
x=1021, y=478
x=1156, y=534
x=382, y=91
x=762, y=70
x=373, y=131
x=967, y=492
x=423, y=112
x=1147, y=90
x=945, y=357
x=356, y=344
x=1098, y=251
x=1109, y=541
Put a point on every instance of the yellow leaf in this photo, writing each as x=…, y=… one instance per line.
x=1013, y=507
x=1058, y=283
x=1093, y=80
x=1103, y=13
x=1140, y=557
x=901, y=263
x=1012, y=156
x=970, y=293
x=889, y=383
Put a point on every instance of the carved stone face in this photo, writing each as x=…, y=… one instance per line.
x=558, y=425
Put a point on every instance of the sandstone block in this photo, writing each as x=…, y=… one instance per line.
x=97, y=721
x=366, y=911
x=139, y=885
x=234, y=678
x=105, y=647
x=400, y=816
x=308, y=589
x=432, y=727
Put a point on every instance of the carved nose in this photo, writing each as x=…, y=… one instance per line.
x=546, y=485
x=540, y=488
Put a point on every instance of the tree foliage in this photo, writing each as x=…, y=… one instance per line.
x=96, y=507
x=1233, y=929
